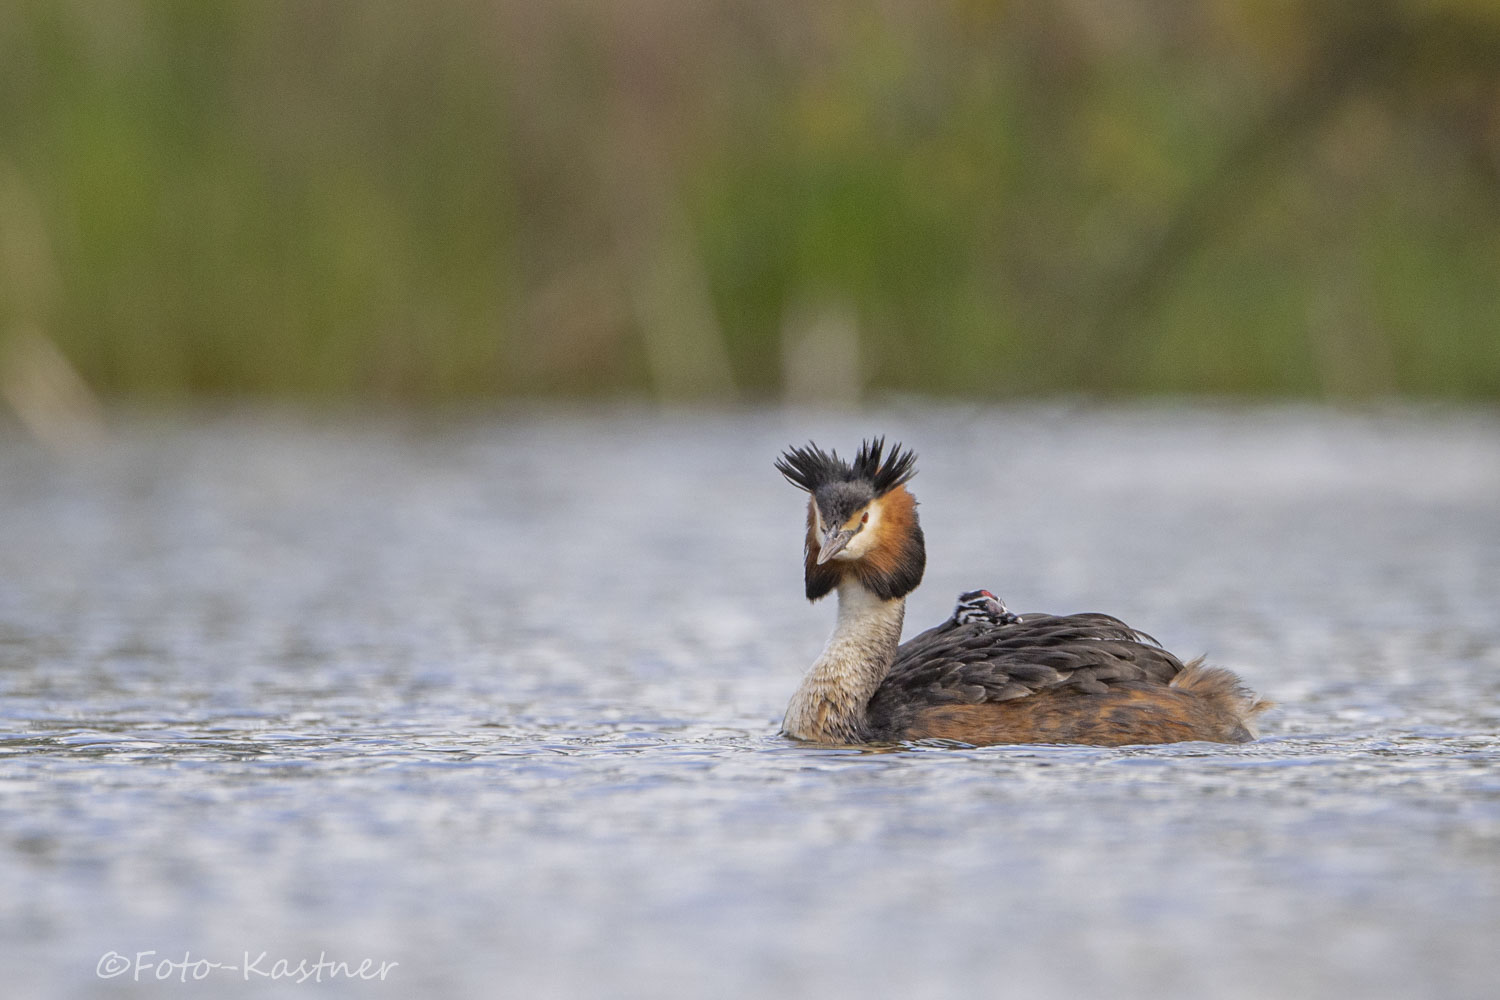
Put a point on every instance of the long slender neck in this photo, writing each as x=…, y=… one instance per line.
x=829, y=706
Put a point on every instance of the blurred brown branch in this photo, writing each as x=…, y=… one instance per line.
x=1383, y=49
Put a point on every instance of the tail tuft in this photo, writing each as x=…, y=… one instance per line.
x=1235, y=706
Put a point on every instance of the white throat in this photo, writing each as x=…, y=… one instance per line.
x=829, y=706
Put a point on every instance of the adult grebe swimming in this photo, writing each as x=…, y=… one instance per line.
x=985, y=675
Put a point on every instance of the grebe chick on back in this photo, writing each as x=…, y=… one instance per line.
x=985, y=675
x=982, y=606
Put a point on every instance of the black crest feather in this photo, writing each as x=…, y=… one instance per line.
x=811, y=467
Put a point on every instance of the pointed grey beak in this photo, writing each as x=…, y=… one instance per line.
x=833, y=543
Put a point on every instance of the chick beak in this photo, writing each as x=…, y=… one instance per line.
x=833, y=543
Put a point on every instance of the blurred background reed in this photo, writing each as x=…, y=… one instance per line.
x=753, y=199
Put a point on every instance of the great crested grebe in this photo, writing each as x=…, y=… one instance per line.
x=985, y=675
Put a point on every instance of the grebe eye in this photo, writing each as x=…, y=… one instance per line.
x=865, y=519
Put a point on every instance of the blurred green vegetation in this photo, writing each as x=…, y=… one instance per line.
x=421, y=202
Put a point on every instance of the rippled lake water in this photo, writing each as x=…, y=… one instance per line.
x=496, y=699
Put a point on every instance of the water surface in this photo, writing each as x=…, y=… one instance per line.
x=495, y=699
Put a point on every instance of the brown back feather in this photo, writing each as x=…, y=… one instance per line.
x=1056, y=679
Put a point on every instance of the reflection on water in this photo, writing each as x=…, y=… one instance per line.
x=495, y=700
